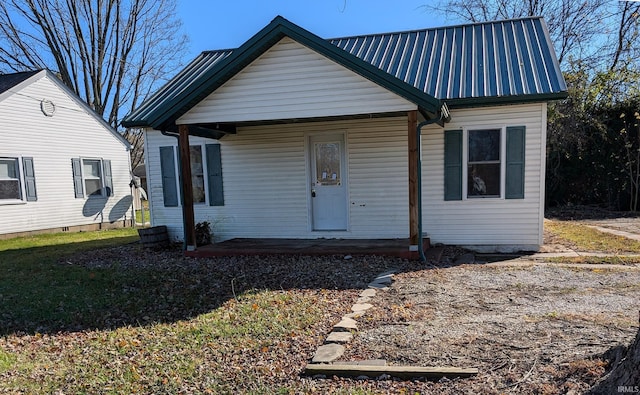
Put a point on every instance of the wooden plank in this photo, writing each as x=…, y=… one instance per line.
x=412, y=124
x=187, y=189
x=402, y=372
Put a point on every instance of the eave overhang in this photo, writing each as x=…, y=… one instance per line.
x=164, y=116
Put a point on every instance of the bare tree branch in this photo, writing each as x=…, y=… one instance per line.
x=110, y=52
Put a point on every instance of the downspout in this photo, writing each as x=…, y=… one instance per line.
x=184, y=226
x=443, y=115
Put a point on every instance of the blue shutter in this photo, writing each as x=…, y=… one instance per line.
x=76, y=166
x=108, y=179
x=514, y=183
x=453, y=165
x=29, y=179
x=169, y=181
x=214, y=175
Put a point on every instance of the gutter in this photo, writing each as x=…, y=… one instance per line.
x=443, y=116
x=184, y=226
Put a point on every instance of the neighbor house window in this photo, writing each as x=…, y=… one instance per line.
x=17, y=180
x=10, y=187
x=92, y=177
x=492, y=165
x=483, y=164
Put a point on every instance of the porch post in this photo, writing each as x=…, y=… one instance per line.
x=187, y=189
x=414, y=238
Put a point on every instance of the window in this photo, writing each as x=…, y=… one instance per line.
x=92, y=177
x=197, y=174
x=10, y=187
x=483, y=163
x=17, y=180
x=206, y=174
x=492, y=165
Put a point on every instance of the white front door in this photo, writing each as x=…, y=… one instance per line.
x=328, y=182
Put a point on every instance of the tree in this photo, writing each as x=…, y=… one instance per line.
x=625, y=373
x=572, y=23
x=112, y=53
x=598, y=47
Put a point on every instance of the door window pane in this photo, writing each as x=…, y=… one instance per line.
x=483, y=165
x=9, y=180
x=327, y=163
x=197, y=174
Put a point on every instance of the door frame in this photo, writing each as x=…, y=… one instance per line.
x=308, y=136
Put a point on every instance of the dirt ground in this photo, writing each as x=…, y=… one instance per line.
x=530, y=328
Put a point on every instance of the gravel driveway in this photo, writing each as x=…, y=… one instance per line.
x=528, y=327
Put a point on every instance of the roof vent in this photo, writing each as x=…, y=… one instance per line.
x=47, y=107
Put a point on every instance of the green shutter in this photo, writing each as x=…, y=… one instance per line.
x=514, y=183
x=453, y=165
x=108, y=179
x=214, y=175
x=169, y=181
x=29, y=179
x=76, y=166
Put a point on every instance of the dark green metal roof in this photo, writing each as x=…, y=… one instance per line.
x=481, y=63
x=478, y=64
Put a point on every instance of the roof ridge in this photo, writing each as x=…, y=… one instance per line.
x=446, y=27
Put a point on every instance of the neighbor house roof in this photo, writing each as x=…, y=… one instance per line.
x=12, y=83
x=8, y=81
x=475, y=64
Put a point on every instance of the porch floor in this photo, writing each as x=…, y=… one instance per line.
x=235, y=247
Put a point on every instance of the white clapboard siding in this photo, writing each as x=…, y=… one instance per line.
x=52, y=141
x=493, y=223
x=292, y=81
x=266, y=185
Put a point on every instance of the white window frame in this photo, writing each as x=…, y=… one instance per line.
x=22, y=199
x=465, y=161
x=84, y=177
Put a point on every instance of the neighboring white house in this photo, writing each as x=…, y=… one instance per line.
x=293, y=136
x=62, y=167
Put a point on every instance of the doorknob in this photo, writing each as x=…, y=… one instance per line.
x=313, y=193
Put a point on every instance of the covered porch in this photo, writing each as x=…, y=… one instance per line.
x=347, y=244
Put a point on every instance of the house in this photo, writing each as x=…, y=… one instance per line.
x=436, y=133
x=62, y=167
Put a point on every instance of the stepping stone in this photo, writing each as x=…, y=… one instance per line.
x=339, y=337
x=384, y=279
x=357, y=314
x=346, y=324
x=368, y=293
x=361, y=307
x=375, y=285
x=363, y=299
x=328, y=353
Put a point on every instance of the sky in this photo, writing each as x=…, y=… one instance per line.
x=223, y=24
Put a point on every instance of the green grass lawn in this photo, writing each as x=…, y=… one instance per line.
x=584, y=238
x=37, y=283
x=95, y=312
